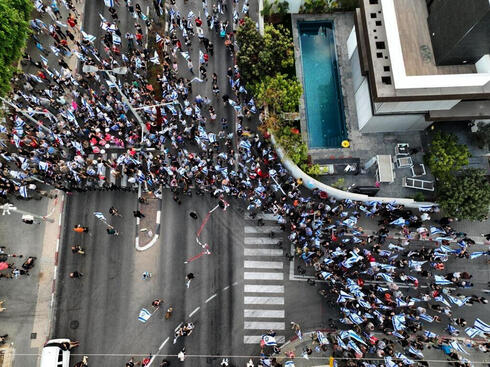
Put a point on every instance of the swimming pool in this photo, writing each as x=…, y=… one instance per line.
x=321, y=84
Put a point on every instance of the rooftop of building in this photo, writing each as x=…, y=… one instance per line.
x=396, y=44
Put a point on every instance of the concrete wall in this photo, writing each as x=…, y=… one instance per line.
x=414, y=106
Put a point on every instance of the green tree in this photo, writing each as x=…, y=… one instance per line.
x=446, y=155
x=466, y=195
x=14, y=29
x=277, y=54
x=482, y=135
x=280, y=93
x=250, y=42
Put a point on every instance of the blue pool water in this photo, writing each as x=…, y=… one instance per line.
x=321, y=84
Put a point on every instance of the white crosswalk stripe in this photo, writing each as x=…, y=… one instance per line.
x=109, y=173
x=263, y=276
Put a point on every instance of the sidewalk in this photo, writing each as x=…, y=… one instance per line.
x=29, y=299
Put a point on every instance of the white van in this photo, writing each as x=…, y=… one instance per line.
x=53, y=355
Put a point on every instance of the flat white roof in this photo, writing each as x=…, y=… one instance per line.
x=400, y=78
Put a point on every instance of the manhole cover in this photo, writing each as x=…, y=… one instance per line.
x=33, y=335
x=74, y=324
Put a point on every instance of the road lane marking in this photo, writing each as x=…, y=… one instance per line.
x=262, y=325
x=263, y=229
x=193, y=312
x=262, y=252
x=255, y=339
x=263, y=264
x=163, y=344
x=178, y=327
x=264, y=216
x=261, y=241
x=255, y=288
x=210, y=298
x=273, y=314
x=263, y=301
x=262, y=276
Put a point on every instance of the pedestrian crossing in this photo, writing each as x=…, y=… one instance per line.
x=109, y=172
x=263, y=275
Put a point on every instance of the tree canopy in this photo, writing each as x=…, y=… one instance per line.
x=279, y=93
x=466, y=195
x=14, y=29
x=446, y=155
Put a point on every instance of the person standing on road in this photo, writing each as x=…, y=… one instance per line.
x=188, y=279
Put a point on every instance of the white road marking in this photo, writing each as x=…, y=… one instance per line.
x=262, y=325
x=210, y=298
x=264, y=216
x=263, y=264
x=263, y=229
x=273, y=314
x=261, y=241
x=178, y=327
x=262, y=252
x=255, y=339
x=256, y=288
x=193, y=312
x=263, y=301
x=226, y=288
x=263, y=276
x=163, y=344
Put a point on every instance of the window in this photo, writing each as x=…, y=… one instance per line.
x=380, y=45
x=386, y=68
x=373, y=2
x=378, y=23
x=373, y=15
x=386, y=79
x=379, y=55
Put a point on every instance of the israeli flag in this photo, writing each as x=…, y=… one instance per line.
x=404, y=359
x=344, y=297
x=269, y=340
x=88, y=37
x=185, y=55
x=289, y=364
x=355, y=336
x=398, y=222
x=16, y=141
x=155, y=59
x=109, y=3
x=476, y=254
x=440, y=280
x=385, y=277
x=364, y=304
x=110, y=84
x=442, y=300
x=201, y=57
x=389, y=362
x=425, y=208
x=414, y=264
x=451, y=329
x=322, y=339
x=116, y=39
x=44, y=60
x=436, y=230
x=458, y=301
x=55, y=50
x=43, y=165
x=354, y=347
x=472, y=332
x=401, y=303
x=144, y=313
x=398, y=322
x=100, y=216
x=430, y=334
x=426, y=317
x=458, y=347
x=355, y=318
x=23, y=191
x=479, y=324
x=245, y=144
x=415, y=352
x=158, y=38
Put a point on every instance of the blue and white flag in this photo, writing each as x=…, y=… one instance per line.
x=458, y=347
x=385, y=277
x=289, y=364
x=16, y=140
x=404, y=358
x=158, y=38
x=436, y=230
x=341, y=343
x=110, y=84
x=398, y=322
x=442, y=300
x=354, y=347
x=109, y=3
x=440, y=280
x=23, y=191
x=430, y=334
x=426, y=317
x=100, y=216
x=472, y=332
x=415, y=352
x=476, y=254
x=459, y=301
x=269, y=340
x=88, y=37
x=401, y=303
x=344, y=297
x=43, y=165
x=451, y=329
x=425, y=208
x=144, y=315
x=355, y=336
x=398, y=222
x=479, y=324
x=245, y=144
x=322, y=339
x=389, y=362
x=44, y=60
x=155, y=59
x=355, y=318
